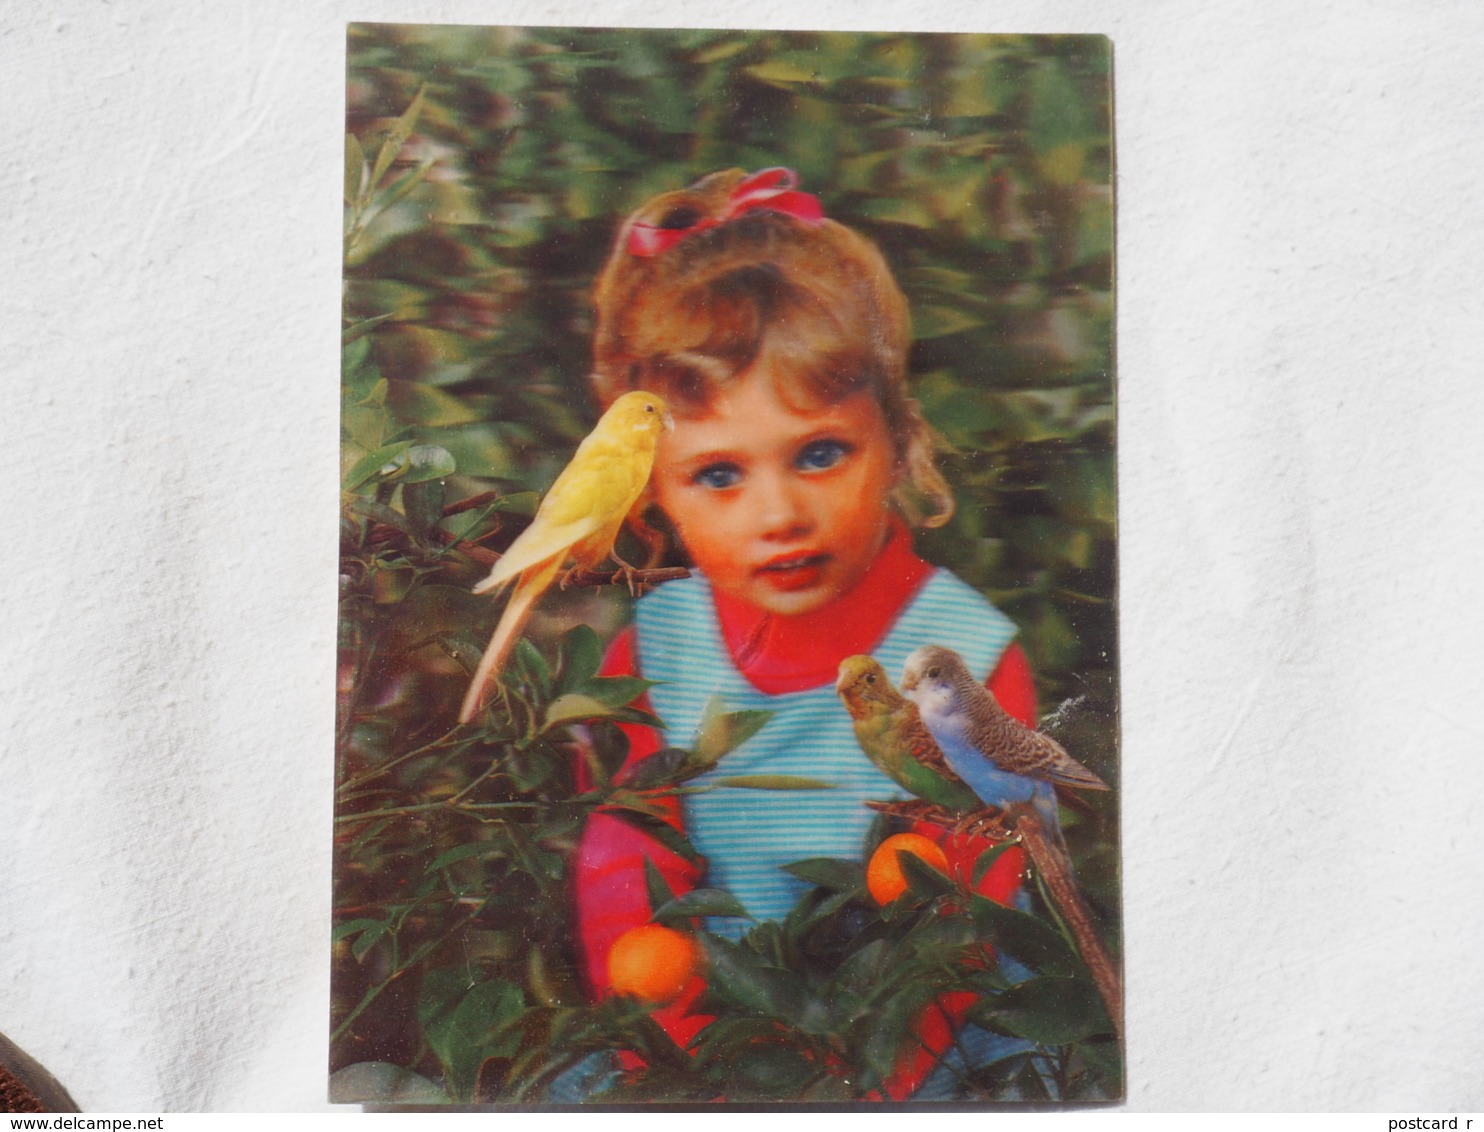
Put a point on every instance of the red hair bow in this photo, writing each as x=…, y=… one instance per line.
x=772, y=190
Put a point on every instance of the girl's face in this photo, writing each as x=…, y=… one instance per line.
x=781, y=507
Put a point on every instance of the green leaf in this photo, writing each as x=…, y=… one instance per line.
x=355, y=168
x=941, y=939
x=380, y=1082
x=407, y=183
x=581, y=655
x=369, y=939
x=615, y=691
x=392, y=583
x=833, y=873
x=803, y=921
x=658, y=829
x=935, y=321
x=986, y=860
x=362, y=426
x=888, y=1033
x=860, y=972
x=724, y=49
x=482, y=450
x=461, y=853
x=359, y=329
x=1031, y=941
x=719, y=1042
x=519, y=502
x=1063, y=164
x=384, y=463
x=778, y=73
x=377, y=394
x=699, y=902
x=401, y=130
x=773, y=782
x=662, y=768
x=722, y=732
x=744, y=981
x=428, y=462
x=423, y=503
x=899, y=210
x=656, y=886
x=570, y=707
x=355, y=369
x=973, y=94
x=637, y=717
x=532, y=664
x=923, y=881
x=1059, y=115
x=354, y=927
x=1050, y=1010
x=769, y=1070
x=650, y=1042
x=462, y=1039
x=418, y=403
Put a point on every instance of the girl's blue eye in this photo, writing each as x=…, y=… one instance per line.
x=718, y=476
x=818, y=455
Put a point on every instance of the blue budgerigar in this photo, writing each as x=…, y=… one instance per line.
x=1003, y=761
x=1009, y=765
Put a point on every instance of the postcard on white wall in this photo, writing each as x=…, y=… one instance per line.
x=728, y=689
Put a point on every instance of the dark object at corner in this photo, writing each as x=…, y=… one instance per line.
x=26, y=1087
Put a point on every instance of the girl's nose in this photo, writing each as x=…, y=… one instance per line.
x=781, y=510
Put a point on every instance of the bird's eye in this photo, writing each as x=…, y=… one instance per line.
x=932, y=673
x=870, y=677
x=649, y=408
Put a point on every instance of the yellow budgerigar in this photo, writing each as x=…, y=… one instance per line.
x=577, y=522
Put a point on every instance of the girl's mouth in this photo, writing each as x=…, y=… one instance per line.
x=795, y=572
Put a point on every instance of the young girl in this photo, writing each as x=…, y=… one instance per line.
x=779, y=339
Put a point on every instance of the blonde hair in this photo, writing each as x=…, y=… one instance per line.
x=810, y=299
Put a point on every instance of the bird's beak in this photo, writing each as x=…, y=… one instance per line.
x=668, y=421
x=909, y=681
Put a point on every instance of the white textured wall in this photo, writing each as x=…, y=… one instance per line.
x=1301, y=329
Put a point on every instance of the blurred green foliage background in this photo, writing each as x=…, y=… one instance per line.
x=487, y=170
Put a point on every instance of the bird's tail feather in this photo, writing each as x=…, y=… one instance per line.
x=1049, y=854
x=533, y=583
x=1078, y=776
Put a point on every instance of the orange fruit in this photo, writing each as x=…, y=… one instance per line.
x=884, y=876
x=652, y=963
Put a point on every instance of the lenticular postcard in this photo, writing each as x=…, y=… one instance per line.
x=728, y=677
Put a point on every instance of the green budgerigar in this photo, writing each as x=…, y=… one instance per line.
x=893, y=737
